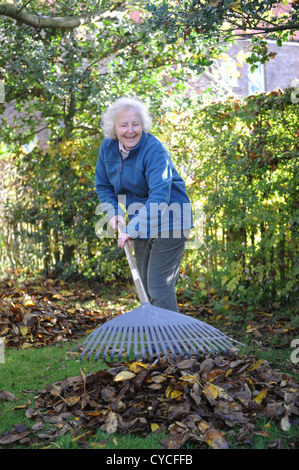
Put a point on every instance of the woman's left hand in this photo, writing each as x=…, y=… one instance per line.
x=122, y=239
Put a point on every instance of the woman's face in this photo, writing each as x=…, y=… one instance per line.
x=128, y=128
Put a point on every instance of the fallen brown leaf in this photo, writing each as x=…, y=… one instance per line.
x=6, y=396
x=215, y=439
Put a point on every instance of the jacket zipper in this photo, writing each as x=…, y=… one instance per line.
x=120, y=171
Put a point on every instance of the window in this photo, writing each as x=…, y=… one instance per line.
x=256, y=80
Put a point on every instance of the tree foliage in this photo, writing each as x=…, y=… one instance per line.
x=238, y=157
x=240, y=160
x=221, y=20
x=227, y=17
x=229, y=20
x=63, y=81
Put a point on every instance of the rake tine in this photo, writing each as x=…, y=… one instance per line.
x=172, y=338
x=172, y=334
x=159, y=342
x=162, y=345
x=130, y=332
x=178, y=339
x=163, y=342
x=136, y=342
x=191, y=342
x=153, y=345
x=185, y=340
x=202, y=340
x=104, y=341
x=89, y=341
x=156, y=340
x=121, y=346
x=86, y=347
x=142, y=344
x=118, y=333
x=218, y=342
x=221, y=344
x=148, y=338
x=210, y=346
x=186, y=343
x=149, y=341
x=108, y=343
x=101, y=339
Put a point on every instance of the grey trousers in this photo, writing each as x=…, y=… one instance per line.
x=158, y=261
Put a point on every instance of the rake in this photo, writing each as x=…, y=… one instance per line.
x=149, y=331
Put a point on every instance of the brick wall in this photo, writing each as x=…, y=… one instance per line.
x=278, y=73
x=281, y=70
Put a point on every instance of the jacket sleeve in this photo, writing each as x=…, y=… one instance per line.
x=158, y=173
x=104, y=189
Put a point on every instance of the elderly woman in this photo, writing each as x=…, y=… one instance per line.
x=134, y=167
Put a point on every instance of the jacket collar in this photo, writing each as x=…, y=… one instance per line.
x=114, y=145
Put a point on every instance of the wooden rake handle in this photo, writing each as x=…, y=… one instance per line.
x=133, y=267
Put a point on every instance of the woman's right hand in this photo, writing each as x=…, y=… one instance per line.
x=115, y=220
x=122, y=237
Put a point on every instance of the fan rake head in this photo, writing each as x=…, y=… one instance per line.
x=150, y=330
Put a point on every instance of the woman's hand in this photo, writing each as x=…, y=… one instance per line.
x=115, y=220
x=124, y=238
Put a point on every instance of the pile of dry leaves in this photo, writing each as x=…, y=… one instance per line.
x=46, y=313
x=192, y=401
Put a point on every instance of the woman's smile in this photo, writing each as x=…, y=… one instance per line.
x=128, y=128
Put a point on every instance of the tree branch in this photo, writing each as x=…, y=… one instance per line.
x=258, y=29
x=283, y=27
x=66, y=22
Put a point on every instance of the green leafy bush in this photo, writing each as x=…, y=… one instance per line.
x=239, y=161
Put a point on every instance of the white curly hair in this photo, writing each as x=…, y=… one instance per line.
x=126, y=102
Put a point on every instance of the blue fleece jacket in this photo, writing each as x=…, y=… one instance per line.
x=148, y=184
